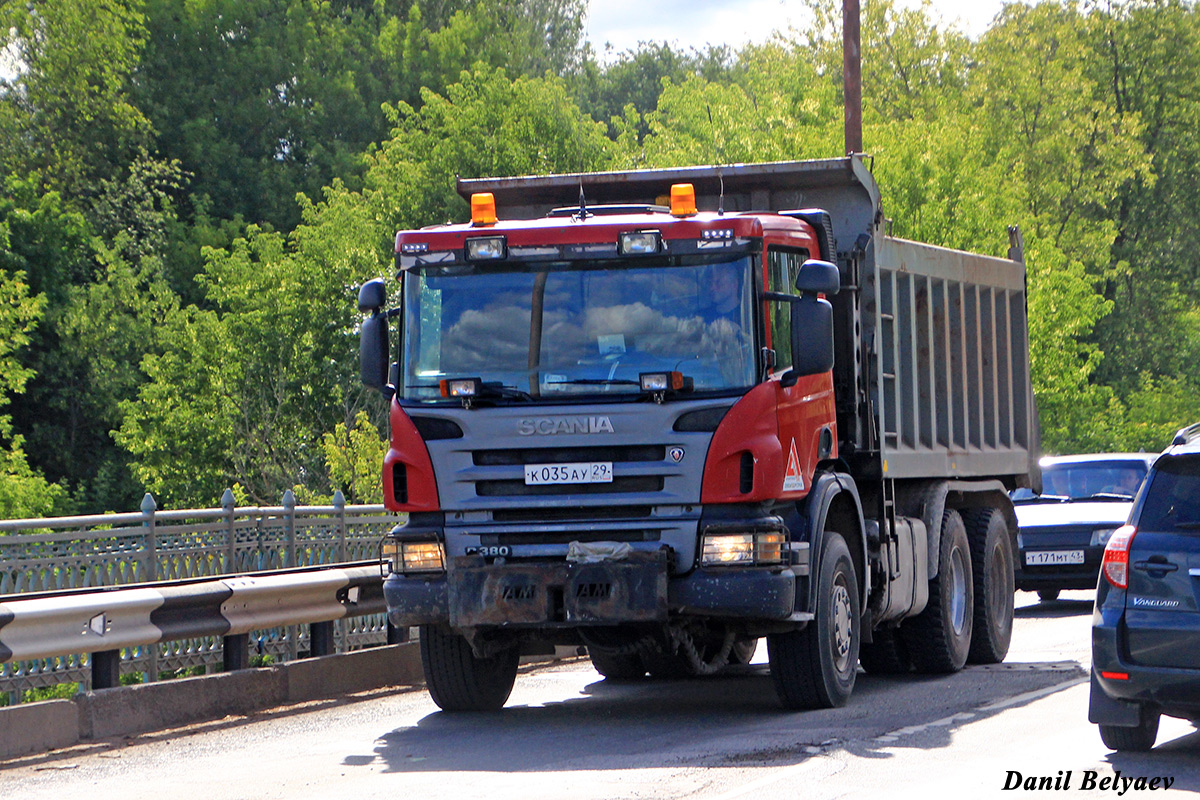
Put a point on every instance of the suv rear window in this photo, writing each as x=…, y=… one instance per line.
x=1173, y=497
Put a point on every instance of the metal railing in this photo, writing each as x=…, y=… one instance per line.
x=106, y=550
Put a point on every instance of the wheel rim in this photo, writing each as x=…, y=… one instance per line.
x=958, y=592
x=998, y=587
x=843, y=632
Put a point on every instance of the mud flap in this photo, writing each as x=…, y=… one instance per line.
x=633, y=589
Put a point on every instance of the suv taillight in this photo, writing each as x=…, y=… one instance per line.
x=1116, y=556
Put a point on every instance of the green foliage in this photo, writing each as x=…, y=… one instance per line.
x=191, y=193
x=59, y=691
x=353, y=455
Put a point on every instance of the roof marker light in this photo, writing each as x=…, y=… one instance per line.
x=483, y=208
x=683, y=199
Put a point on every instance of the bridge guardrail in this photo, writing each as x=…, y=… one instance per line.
x=59, y=554
x=103, y=622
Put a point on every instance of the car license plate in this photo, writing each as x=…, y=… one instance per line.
x=1042, y=557
x=581, y=472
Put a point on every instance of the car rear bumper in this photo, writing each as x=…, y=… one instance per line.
x=1120, y=687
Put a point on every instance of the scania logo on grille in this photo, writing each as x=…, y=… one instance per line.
x=549, y=426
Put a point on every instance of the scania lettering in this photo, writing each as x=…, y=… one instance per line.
x=634, y=412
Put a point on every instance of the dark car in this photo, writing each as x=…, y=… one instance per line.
x=1146, y=624
x=1064, y=529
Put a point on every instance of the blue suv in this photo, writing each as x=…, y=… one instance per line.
x=1146, y=623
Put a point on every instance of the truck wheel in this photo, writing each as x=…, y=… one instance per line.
x=1138, y=739
x=815, y=667
x=939, y=638
x=457, y=680
x=1047, y=595
x=624, y=667
x=886, y=654
x=992, y=566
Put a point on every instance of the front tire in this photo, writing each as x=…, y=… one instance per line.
x=457, y=680
x=815, y=667
x=1137, y=739
x=992, y=568
x=939, y=638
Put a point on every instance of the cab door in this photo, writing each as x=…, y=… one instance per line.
x=806, y=409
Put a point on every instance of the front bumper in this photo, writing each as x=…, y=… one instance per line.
x=561, y=594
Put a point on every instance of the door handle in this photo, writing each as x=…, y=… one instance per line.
x=1155, y=566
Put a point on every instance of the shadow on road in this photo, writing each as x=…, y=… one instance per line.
x=1174, y=757
x=720, y=721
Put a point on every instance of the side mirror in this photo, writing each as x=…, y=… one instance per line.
x=812, y=335
x=372, y=296
x=818, y=277
x=373, y=351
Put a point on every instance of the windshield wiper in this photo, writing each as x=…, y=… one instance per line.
x=1109, y=496
x=1041, y=498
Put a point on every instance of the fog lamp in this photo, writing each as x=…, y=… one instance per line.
x=460, y=387
x=405, y=557
x=661, y=381
x=639, y=243
x=487, y=248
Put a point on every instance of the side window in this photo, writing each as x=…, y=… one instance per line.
x=782, y=268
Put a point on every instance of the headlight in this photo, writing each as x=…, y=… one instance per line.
x=742, y=549
x=1101, y=536
x=406, y=557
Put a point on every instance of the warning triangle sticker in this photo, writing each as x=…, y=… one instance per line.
x=793, y=480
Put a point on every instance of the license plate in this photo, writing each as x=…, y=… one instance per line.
x=581, y=472
x=1041, y=557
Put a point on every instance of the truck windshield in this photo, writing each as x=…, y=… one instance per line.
x=548, y=330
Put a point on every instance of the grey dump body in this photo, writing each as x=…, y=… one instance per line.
x=932, y=350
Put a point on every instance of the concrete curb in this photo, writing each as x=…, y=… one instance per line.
x=40, y=727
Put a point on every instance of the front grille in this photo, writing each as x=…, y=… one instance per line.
x=567, y=455
x=628, y=485
x=587, y=513
x=525, y=537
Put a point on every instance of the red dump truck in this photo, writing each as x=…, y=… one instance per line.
x=663, y=414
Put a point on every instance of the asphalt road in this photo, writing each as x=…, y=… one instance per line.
x=566, y=733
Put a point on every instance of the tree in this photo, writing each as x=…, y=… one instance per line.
x=67, y=120
x=23, y=493
x=245, y=391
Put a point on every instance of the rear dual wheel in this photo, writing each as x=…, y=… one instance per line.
x=939, y=638
x=992, y=571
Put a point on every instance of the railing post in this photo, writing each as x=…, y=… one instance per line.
x=149, y=506
x=235, y=652
x=320, y=639
x=289, y=522
x=339, y=503
x=148, y=509
x=228, y=505
x=106, y=669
